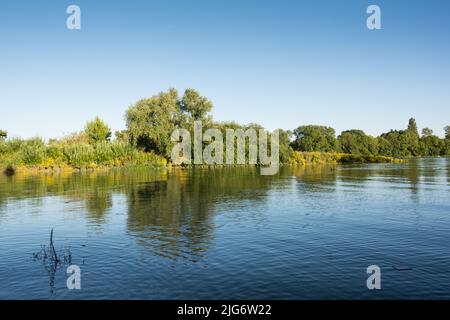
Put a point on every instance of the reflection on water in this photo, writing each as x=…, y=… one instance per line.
x=230, y=232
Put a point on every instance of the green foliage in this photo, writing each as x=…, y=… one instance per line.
x=412, y=138
x=357, y=142
x=427, y=132
x=97, y=130
x=447, y=132
x=319, y=158
x=32, y=152
x=412, y=127
x=394, y=144
x=59, y=153
x=150, y=122
x=315, y=138
x=122, y=136
x=431, y=145
x=196, y=106
x=285, y=148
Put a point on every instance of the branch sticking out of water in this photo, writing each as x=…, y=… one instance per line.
x=52, y=260
x=52, y=247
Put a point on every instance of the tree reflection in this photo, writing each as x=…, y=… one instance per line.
x=174, y=217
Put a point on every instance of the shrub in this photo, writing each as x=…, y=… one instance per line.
x=97, y=131
x=32, y=152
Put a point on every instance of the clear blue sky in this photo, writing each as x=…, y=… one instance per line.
x=279, y=63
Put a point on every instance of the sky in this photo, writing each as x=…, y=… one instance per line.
x=278, y=63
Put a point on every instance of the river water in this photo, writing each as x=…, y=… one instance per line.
x=230, y=233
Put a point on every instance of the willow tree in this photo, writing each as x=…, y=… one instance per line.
x=150, y=122
x=196, y=106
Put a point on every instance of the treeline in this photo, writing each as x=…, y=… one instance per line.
x=151, y=121
x=395, y=143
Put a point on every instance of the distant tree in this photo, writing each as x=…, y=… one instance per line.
x=447, y=132
x=426, y=132
x=315, y=138
x=74, y=138
x=411, y=137
x=432, y=146
x=285, y=149
x=447, y=140
x=356, y=142
x=3, y=135
x=122, y=135
x=374, y=148
x=97, y=130
x=412, y=127
x=384, y=146
x=150, y=122
x=394, y=144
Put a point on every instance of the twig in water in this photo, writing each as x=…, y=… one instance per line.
x=55, y=256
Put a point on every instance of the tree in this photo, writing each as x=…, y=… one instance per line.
x=150, y=122
x=315, y=138
x=412, y=127
x=356, y=142
x=447, y=132
x=3, y=135
x=411, y=136
x=285, y=150
x=196, y=106
x=97, y=131
x=122, y=135
x=432, y=146
x=426, y=132
x=384, y=146
x=394, y=143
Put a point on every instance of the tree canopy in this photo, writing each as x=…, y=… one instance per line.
x=447, y=132
x=426, y=132
x=3, y=135
x=97, y=130
x=357, y=142
x=315, y=138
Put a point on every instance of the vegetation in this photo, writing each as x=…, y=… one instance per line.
x=97, y=131
x=151, y=121
x=75, y=151
x=307, y=158
x=315, y=138
x=3, y=135
x=395, y=143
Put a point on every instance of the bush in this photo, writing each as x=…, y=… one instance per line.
x=32, y=152
x=79, y=154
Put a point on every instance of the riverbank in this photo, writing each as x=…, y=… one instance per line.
x=140, y=158
x=35, y=156
x=315, y=158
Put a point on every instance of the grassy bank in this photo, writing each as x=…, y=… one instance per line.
x=310, y=158
x=65, y=155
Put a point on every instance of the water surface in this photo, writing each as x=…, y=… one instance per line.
x=306, y=233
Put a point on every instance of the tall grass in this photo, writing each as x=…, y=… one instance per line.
x=72, y=152
x=305, y=158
